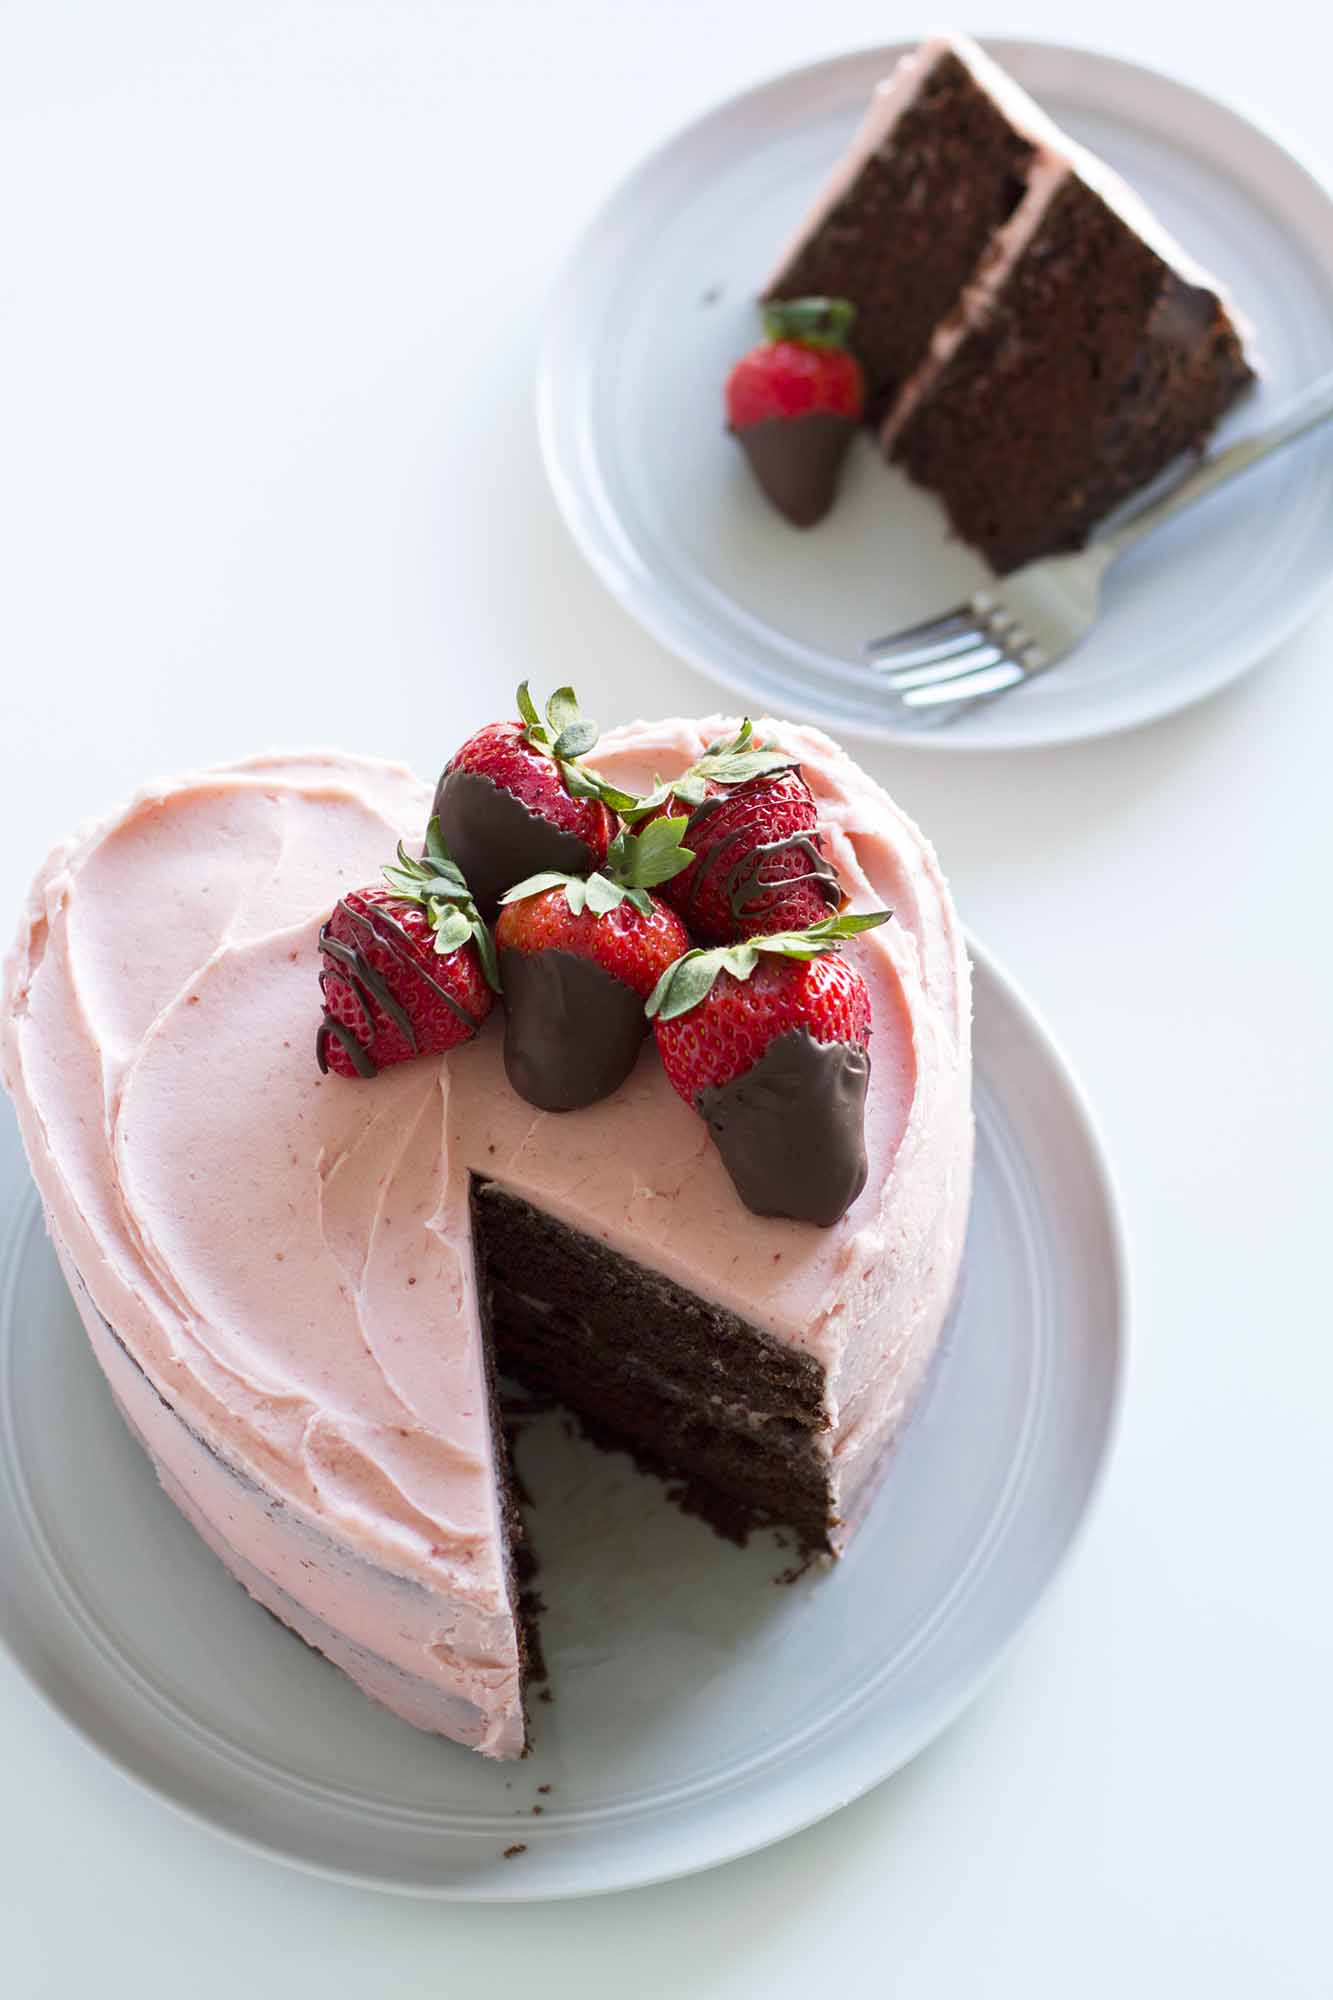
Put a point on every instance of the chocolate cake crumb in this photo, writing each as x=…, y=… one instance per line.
x=519, y=1847
x=691, y=1391
x=795, y=1571
x=1096, y=347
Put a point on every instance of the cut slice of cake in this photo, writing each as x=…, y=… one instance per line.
x=301, y=1286
x=1036, y=346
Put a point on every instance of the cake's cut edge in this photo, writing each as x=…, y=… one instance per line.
x=692, y=1391
x=1076, y=370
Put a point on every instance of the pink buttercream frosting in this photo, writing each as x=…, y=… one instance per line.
x=285, y=1259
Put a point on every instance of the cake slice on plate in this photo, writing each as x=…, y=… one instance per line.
x=301, y=1282
x=1035, y=346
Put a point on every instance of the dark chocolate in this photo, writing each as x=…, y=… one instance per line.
x=797, y=461
x=745, y=882
x=572, y=1031
x=731, y=1417
x=497, y=842
x=351, y=965
x=791, y=1131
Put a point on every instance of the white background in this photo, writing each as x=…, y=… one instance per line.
x=271, y=282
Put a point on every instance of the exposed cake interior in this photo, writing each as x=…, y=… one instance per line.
x=1095, y=367
x=692, y=1391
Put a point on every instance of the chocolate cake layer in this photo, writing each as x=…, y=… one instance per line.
x=1094, y=367
x=690, y=1390
x=901, y=258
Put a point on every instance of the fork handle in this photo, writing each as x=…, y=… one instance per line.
x=1312, y=407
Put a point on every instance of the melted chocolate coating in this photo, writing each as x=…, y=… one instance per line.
x=797, y=461
x=496, y=841
x=792, y=1129
x=572, y=1031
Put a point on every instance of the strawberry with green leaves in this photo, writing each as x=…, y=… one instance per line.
x=516, y=799
x=579, y=956
x=759, y=860
x=768, y=1039
x=794, y=401
x=408, y=967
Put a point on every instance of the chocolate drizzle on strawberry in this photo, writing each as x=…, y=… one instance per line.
x=372, y=989
x=744, y=883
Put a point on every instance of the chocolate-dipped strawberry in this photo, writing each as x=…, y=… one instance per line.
x=794, y=401
x=515, y=800
x=579, y=956
x=759, y=861
x=768, y=1040
x=407, y=969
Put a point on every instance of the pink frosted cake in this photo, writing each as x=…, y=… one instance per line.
x=300, y=1283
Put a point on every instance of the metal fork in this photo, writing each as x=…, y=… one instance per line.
x=1021, y=625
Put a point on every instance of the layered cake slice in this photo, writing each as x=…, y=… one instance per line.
x=302, y=1278
x=1035, y=346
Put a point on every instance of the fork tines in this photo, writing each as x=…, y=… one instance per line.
x=961, y=655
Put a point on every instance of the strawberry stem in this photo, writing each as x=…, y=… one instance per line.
x=635, y=863
x=728, y=762
x=691, y=977
x=435, y=881
x=812, y=322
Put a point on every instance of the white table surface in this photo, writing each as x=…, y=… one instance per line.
x=271, y=282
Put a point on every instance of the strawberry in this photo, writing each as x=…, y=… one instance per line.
x=515, y=800
x=768, y=1040
x=580, y=956
x=408, y=969
x=753, y=825
x=794, y=401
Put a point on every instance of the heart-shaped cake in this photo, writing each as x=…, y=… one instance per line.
x=732, y=1255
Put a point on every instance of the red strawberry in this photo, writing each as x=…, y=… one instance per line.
x=759, y=858
x=579, y=957
x=515, y=800
x=407, y=970
x=794, y=402
x=767, y=1039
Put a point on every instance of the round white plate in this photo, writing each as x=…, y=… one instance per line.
x=658, y=300
x=702, y=1707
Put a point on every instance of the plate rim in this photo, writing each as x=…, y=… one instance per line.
x=675, y=632
x=177, y=1787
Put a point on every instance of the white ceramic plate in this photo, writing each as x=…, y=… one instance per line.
x=700, y=1708
x=657, y=301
